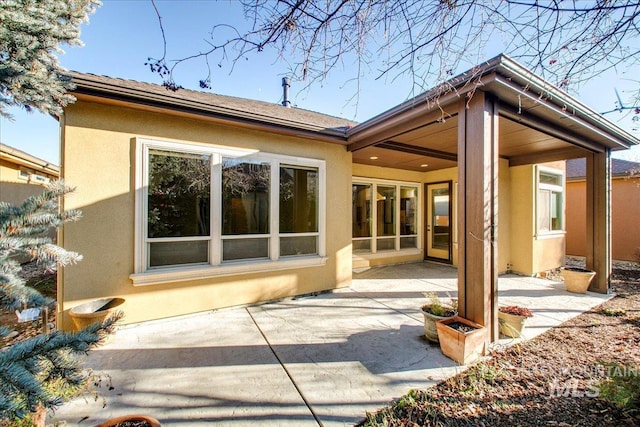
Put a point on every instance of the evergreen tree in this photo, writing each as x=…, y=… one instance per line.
x=31, y=32
x=29, y=367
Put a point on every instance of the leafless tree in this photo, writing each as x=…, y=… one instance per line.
x=566, y=42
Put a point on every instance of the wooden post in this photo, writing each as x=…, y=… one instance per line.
x=478, y=211
x=599, y=220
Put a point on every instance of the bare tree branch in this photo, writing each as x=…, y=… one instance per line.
x=566, y=42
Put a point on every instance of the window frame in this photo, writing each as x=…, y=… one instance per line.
x=552, y=188
x=146, y=275
x=398, y=185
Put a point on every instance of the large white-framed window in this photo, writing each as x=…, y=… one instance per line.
x=385, y=215
x=549, y=201
x=211, y=210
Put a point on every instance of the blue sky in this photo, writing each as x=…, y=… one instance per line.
x=121, y=35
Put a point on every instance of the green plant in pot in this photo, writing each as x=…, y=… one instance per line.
x=436, y=310
x=511, y=320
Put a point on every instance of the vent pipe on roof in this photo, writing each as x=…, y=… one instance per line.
x=286, y=84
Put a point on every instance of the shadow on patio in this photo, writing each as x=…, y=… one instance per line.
x=322, y=359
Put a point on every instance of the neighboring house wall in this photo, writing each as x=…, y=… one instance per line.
x=625, y=211
x=22, y=175
x=99, y=149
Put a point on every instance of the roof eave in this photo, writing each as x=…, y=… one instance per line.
x=479, y=78
x=84, y=85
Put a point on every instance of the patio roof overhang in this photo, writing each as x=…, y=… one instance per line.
x=538, y=122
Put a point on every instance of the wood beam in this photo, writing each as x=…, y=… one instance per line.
x=548, y=156
x=478, y=211
x=599, y=220
x=421, y=151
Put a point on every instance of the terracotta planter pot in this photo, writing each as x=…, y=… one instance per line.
x=430, y=330
x=115, y=421
x=95, y=311
x=463, y=347
x=511, y=325
x=577, y=280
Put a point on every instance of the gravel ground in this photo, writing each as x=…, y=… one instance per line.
x=552, y=380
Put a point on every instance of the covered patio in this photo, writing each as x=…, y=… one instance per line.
x=314, y=360
x=496, y=115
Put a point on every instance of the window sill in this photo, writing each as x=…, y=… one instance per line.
x=181, y=274
x=387, y=254
x=550, y=235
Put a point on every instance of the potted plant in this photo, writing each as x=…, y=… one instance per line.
x=131, y=421
x=461, y=339
x=435, y=310
x=511, y=320
x=576, y=279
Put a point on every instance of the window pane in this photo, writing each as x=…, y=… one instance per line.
x=550, y=178
x=408, y=242
x=300, y=245
x=386, y=244
x=408, y=210
x=361, y=210
x=441, y=219
x=245, y=249
x=245, y=197
x=386, y=197
x=360, y=246
x=176, y=253
x=178, y=194
x=544, y=201
x=556, y=211
x=298, y=200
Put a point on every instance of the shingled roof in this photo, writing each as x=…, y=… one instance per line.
x=209, y=104
x=577, y=168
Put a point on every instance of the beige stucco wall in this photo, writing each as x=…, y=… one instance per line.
x=625, y=209
x=99, y=158
x=531, y=254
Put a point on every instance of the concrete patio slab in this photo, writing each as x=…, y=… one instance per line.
x=317, y=360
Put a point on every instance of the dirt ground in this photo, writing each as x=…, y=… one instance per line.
x=553, y=380
x=46, y=284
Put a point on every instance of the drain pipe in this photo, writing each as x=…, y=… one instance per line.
x=286, y=84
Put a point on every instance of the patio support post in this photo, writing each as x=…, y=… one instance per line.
x=599, y=219
x=478, y=211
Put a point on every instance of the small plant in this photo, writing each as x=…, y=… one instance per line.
x=614, y=312
x=622, y=388
x=438, y=308
x=516, y=310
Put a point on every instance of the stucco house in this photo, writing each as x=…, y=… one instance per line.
x=194, y=201
x=625, y=208
x=23, y=175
